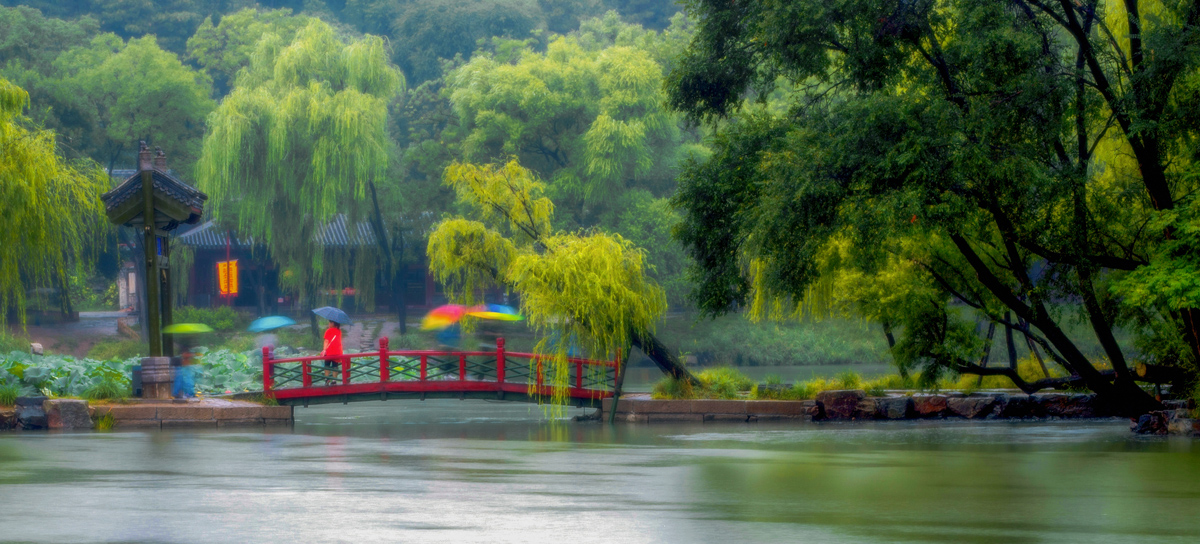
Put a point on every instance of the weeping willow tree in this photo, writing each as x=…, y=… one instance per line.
x=297, y=142
x=51, y=208
x=588, y=286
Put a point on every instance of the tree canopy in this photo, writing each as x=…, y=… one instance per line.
x=51, y=207
x=298, y=141
x=591, y=286
x=1019, y=157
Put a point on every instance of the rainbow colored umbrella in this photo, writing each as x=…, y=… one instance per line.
x=442, y=317
x=498, y=312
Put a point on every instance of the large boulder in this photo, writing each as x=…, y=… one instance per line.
x=840, y=404
x=8, y=419
x=893, y=407
x=973, y=407
x=1067, y=405
x=1017, y=407
x=30, y=414
x=1150, y=423
x=67, y=414
x=929, y=405
x=868, y=408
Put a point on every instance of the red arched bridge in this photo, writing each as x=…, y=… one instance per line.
x=421, y=374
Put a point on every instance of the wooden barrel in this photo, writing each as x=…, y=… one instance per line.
x=157, y=377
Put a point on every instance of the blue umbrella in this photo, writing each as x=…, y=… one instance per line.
x=263, y=324
x=333, y=314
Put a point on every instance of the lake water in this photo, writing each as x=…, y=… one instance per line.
x=474, y=471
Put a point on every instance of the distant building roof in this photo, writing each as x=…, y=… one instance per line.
x=332, y=234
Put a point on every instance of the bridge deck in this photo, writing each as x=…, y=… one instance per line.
x=385, y=374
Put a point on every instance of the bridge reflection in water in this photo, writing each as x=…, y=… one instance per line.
x=421, y=374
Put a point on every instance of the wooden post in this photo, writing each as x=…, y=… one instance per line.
x=153, y=311
x=166, y=298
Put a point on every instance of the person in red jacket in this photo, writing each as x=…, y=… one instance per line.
x=332, y=350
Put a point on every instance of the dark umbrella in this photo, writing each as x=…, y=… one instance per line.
x=333, y=314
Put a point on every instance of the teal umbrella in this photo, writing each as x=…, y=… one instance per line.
x=264, y=324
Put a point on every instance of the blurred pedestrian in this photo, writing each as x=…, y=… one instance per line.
x=184, y=385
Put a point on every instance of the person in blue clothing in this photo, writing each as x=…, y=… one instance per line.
x=184, y=386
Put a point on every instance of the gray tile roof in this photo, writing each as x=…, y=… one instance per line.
x=164, y=183
x=333, y=234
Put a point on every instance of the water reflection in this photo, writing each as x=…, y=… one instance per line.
x=451, y=471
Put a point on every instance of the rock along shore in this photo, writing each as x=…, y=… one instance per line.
x=848, y=405
x=32, y=413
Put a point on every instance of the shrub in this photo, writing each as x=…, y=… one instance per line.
x=221, y=318
x=105, y=422
x=715, y=383
x=107, y=388
x=11, y=342
x=107, y=350
x=9, y=394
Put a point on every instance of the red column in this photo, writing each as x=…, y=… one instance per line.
x=345, y=370
x=306, y=370
x=384, y=367
x=268, y=380
x=462, y=367
x=499, y=360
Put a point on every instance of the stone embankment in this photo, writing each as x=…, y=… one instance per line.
x=849, y=405
x=32, y=413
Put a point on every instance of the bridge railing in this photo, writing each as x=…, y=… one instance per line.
x=420, y=371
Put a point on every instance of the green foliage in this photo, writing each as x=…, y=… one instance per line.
x=306, y=121
x=9, y=394
x=591, y=286
x=62, y=376
x=225, y=48
x=938, y=151
x=220, y=318
x=106, y=389
x=12, y=342
x=735, y=340
x=118, y=92
x=47, y=203
x=220, y=371
x=118, y=349
x=31, y=41
x=715, y=383
x=106, y=422
x=590, y=122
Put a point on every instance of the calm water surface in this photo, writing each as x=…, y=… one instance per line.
x=451, y=471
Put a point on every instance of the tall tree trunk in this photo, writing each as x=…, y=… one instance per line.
x=1012, y=346
x=662, y=356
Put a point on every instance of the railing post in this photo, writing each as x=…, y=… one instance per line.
x=384, y=367
x=268, y=379
x=499, y=360
x=462, y=367
x=578, y=374
x=424, y=366
x=306, y=370
x=345, y=370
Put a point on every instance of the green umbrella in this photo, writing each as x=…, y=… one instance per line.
x=187, y=328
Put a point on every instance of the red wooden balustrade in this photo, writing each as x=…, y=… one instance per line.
x=386, y=371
